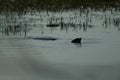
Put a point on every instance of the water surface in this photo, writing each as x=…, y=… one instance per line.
x=97, y=58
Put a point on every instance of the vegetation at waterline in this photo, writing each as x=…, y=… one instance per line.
x=55, y=5
x=13, y=23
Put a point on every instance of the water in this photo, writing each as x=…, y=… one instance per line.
x=97, y=58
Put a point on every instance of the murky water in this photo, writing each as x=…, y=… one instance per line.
x=97, y=58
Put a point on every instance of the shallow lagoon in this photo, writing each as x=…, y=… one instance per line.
x=97, y=58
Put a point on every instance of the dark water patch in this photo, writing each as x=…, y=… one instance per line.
x=52, y=25
x=44, y=38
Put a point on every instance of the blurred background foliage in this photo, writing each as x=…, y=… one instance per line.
x=55, y=5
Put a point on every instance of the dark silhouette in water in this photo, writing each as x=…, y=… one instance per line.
x=77, y=40
x=45, y=38
x=52, y=25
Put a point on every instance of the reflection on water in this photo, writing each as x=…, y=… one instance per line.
x=76, y=20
